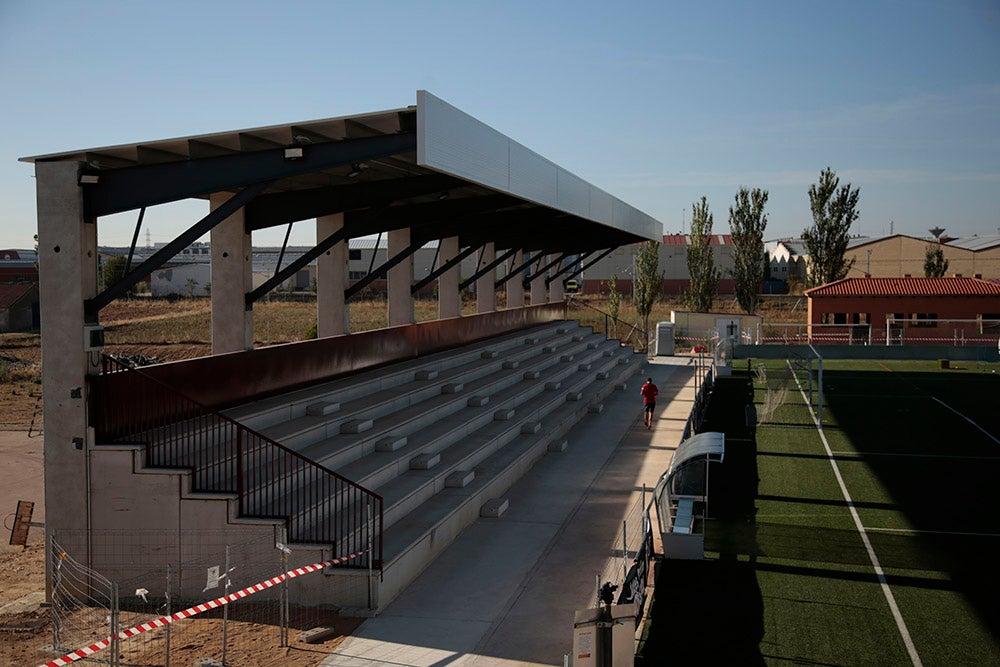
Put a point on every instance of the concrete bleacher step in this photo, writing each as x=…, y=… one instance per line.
x=439, y=448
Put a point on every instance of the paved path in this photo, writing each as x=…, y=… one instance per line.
x=505, y=592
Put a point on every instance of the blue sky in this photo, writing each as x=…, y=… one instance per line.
x=658, y=103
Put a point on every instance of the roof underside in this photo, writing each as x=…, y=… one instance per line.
x=906, y=287
x=430, y=168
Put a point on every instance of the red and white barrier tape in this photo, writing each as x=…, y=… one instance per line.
x=197, y=609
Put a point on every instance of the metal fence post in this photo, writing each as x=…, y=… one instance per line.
x=225, y=610
x=283, y=598
x=115, y=646
x=166, y=661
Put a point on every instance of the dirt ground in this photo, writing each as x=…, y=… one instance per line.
x=25, y=630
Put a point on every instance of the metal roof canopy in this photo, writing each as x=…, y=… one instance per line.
x=432, y=168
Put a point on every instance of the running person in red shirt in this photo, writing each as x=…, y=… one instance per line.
x=649, y=392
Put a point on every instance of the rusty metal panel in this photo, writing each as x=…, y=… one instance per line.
x=229, y=379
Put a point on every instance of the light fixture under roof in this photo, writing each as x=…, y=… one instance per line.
x=355, y=170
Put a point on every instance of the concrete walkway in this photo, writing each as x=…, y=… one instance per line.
x=504, y=593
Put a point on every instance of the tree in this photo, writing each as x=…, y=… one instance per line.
x=935, y=265
x=614, y=302
x=115, y=270
x=701, y=264
x=647, y=281
x=833, y=211
x=747, y=222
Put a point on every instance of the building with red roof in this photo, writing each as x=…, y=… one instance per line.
x=18, y=307
x=930, y=310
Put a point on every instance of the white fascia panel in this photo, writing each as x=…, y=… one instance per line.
x=452, y=142
x=532, y=176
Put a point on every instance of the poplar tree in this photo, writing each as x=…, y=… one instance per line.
x=833, y=211
x=701, y=263
x=935, y=265
x=647, y=281
x=747, y=222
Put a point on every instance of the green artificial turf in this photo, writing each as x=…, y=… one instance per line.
x=797, y=585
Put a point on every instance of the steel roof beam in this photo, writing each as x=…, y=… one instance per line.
x=272, y=210
x=128, y=188
x=486, y=269
x=438, y=272
x=381, y=271
x=93, y=306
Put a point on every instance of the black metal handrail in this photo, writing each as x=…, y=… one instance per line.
x=224, y=456
x=608, y=318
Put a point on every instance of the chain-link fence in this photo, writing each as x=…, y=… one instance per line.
x=156, y=579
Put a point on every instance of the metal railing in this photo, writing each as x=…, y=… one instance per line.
x=634, y=333
x=224, y=456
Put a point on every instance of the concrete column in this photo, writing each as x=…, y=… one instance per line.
x=538, y=290
x=67, y=257
x=449, y=300
x=515, y=290
x=400, y=277
x=333, y=317
x=232, y=278
x=486, y=291
x=556, y=291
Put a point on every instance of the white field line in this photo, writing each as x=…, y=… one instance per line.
x=889, y=597
x=844, y=452
x=988, y=434
x=911, y=531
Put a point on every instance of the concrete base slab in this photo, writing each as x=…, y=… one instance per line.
x=583, y=367
x=452, y=388
x=503, y=415
x=425, y=375
x=577, y=338
x=511, y=364
x=601, y=375
x=573, y=396
x=591, y=346
x=596, y=409
x=424, y=461
x=552, y=386
x=489, y=354
x=531, y=428
x=390, y=443
x=494, y=508
x=566, y=358
x=531, y=340
x=317, y=635
x=608, y=353
x=356, y=426
x=322, y=408
x=459, y=479
x=478, y=401
x=558, y=447
x=531, y=375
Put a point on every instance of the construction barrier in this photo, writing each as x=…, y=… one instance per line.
x=163, y=621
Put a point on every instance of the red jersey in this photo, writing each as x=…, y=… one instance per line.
x=649, y=392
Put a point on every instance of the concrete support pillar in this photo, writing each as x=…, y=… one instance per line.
x=232, y=278
x=67, y=258
x=556, y=291
x=486, y=291
x=538, y=290
x=332, y=314
x=515, y=290
x=400, y=277
x=449, y=300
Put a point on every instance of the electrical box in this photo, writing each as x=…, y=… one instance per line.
x=93, y=337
